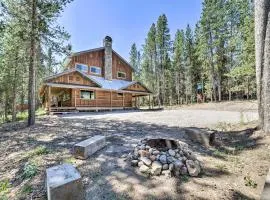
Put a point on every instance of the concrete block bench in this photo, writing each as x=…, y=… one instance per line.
x=88, y=147
x=64, y=183
x=266, y=190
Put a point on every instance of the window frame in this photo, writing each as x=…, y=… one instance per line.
x=94, y=94
x=82, y=65
x=121, y=73
x=96, y=67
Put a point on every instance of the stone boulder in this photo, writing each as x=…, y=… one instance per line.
x=144, y=169
x=156, y=168
x=146, y=161
x=193, y=168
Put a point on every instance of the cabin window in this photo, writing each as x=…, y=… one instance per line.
x=70, y=78
x=121, y=75
x=87, y=94
x=82, y=67
x=119, y=94
x=95, y=70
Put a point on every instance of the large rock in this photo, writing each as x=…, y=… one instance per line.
x=171, y=152
x=202, y=136
x=64, y=182
x=193, y=168
x=88, y=147
x=165, y=167
x=146, y=161
x=144, y=153
x=156, y=168
x=144, y=169
x=178, y=164
x=163, y=159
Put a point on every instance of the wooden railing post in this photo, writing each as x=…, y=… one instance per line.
x=111, y=99
x=49, y=99
x=123, y=100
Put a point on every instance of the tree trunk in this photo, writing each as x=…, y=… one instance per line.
x=262, y=46
x=14, y=94
x=32, y=70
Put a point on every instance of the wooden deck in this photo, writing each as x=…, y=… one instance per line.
x=66, y=110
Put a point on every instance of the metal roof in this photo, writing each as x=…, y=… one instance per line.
x=114, y=84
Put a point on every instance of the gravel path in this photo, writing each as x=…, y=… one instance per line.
x=180, y=118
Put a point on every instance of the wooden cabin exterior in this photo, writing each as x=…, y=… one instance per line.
x=96, y=79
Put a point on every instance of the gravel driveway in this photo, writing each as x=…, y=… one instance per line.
x=180, y=117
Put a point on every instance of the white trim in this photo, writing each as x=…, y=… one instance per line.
x=85, y=90
x=96, y=68
x=77, y=63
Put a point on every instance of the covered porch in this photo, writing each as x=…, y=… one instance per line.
x=59, y=98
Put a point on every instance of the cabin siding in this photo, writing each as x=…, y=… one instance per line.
x=73, y=78
x=96, y=58
x=137, y=87
x=102, y=99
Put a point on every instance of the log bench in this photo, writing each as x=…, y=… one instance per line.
x=88, y=147
x=64, y=182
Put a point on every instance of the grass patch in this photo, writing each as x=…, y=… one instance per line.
x=185, y=178
x=4, y=189
x=22, y=116
x=218, y=153
x=29, y=170
x=70, y=160
x=40, y=150
x=27, y=189
x=249, y=182
x=221, y=167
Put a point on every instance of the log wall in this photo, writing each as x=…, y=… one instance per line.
x=102, y=99
x=96, y=58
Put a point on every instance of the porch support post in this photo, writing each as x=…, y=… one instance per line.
x=136, y=101
x=111, y=99
x=123, y=100
x=49, y=99
x=75, y=98
x=96, y=100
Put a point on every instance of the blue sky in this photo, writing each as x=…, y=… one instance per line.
x=126, y=21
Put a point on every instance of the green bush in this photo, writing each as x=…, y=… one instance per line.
x=4, y=188
x=29, y=171
x=40, y=150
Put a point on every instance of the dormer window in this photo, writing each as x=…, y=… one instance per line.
x=121, y=75
x=82, y=67
x=95, y=70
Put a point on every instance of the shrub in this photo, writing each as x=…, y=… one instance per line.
x=40, y=150
x=4, y=188
x=249, y=182
x=29, y=171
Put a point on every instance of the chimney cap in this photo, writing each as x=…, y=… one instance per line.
x=108, y=39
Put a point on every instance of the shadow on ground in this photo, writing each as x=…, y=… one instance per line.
x=106, y=175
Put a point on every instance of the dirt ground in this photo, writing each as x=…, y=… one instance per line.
x=234, y=168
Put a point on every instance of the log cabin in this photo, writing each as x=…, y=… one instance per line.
x=95, y=79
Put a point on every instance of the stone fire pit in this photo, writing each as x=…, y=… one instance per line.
x=167, y=157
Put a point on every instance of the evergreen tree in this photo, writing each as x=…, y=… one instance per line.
x=163, y=46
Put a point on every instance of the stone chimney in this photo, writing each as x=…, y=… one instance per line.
x=107, y=43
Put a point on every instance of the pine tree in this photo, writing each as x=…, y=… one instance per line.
x=163, y=45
